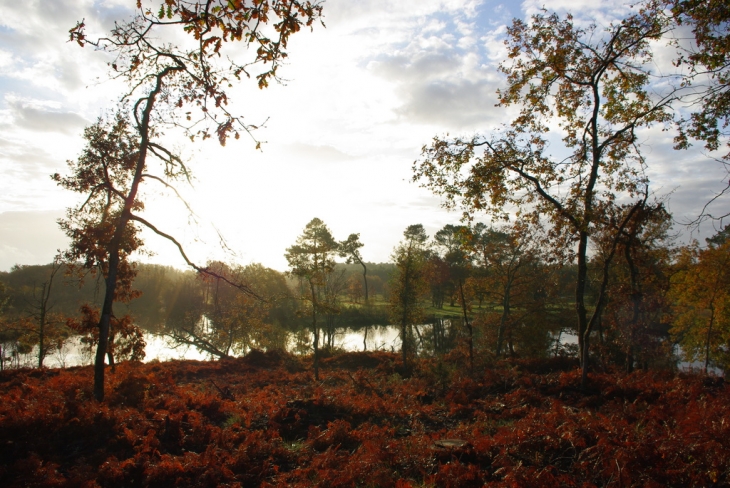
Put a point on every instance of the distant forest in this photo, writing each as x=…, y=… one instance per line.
x=161, y=288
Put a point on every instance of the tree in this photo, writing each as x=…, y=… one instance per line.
x=708, y=80
x=163, y=80
x=106, y=172
x=48, y=327
x=593, y=88
x=5, y=332
x=701, y=297
x=335, y=285
x=513, y=277
x=501, y=258
x=226, y=322
x=311, y=259
x=354, y=289
x=453, y=239
x=633, y=329
x=281, y=306
x=213, y=316
x=350, y=249
x=438, y=277
x=408, y=284
x=126, y=341
x=450, y=240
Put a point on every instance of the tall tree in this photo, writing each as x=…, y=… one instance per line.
x=44, y=319
x=408, y=284
x=501, y=257
x=164, y=80
x=450, y=241
x=350, y=249
x=5, y=332
x=103, y=174
x=633, y=329
x=311, y=259
x=592, y=86
x=453, y=240
x=701, y=296
x=706, y=83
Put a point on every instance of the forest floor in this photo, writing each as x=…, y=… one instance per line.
x=262, y=420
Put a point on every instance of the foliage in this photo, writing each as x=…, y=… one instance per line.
x=126, y=340
x=213, y=316
x=408, y=284
x=708, y=61
x=634, y=328
x=701, y=322
x=594, y=86
x=350, y=249
x=163, y=79
x=260, y=421
x=311, y=260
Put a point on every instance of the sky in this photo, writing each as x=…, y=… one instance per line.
x=360, y=99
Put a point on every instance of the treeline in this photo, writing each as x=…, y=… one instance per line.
x=507, y=292
x=42, y=306
x=496, y=291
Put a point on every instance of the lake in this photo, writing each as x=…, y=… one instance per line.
x=384, y=338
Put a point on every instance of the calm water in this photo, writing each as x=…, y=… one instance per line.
x=160, y=348
x=384, y=338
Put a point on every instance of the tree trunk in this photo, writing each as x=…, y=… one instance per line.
x=707, y=343
x=636, y=294
x=504, y=318
x=105, y=319
x=580, y=290
x=315, y=330
x=42, y=326
x=468, y=327
x=365, y=278
x=110, y=352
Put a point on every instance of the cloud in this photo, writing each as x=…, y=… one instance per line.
x=584, y=13
x=29, y=238
x=441, y=88
x=325, y=154
x=36, y=118
x=446, y=73
x=25, y=166
x=456, y=104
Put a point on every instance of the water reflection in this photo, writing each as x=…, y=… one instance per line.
x=438, y=337
x=378, y=338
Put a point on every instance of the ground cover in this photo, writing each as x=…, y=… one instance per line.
x=262, y=421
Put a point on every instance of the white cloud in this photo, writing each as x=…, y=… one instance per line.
x=29, y=238
x=33, y=116
x=362, y=97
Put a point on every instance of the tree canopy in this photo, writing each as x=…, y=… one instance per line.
x=591, y=87
x=181, y=85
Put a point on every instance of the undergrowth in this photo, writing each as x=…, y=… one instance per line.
x=263, y=421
